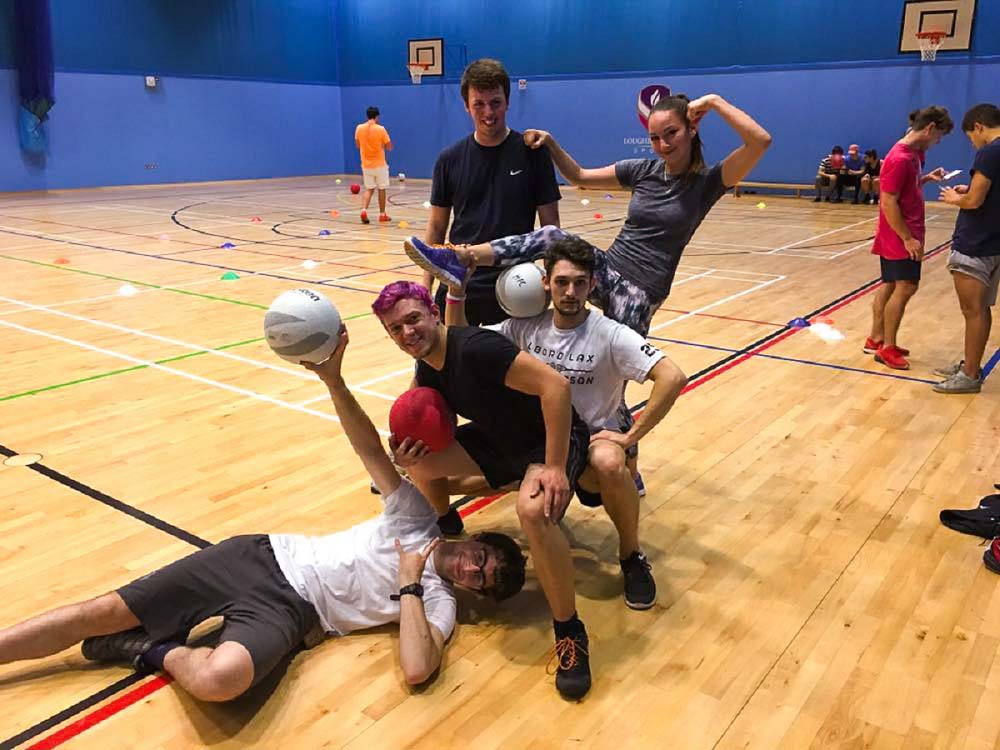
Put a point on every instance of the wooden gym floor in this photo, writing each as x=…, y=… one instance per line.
x=808, y=595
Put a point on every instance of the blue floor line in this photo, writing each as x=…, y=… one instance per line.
x=810, y=362
x=991, y=364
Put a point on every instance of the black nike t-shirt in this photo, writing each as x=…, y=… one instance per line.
x=493, y=191
x=472, y=382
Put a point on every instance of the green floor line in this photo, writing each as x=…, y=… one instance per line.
x=154, y=286
x=176, y=358
x=108, y=374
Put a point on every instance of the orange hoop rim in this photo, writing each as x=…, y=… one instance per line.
x=417, y=70
x=932, y=35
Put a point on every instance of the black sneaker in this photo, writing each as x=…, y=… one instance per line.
x=640, y=586
x=451, y=523
x=128, y=646
x=991, y=557
x=572, y=659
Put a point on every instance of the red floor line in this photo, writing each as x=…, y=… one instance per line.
x=106, y=711
x=119, y=704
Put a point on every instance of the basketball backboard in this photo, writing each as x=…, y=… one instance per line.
x=429, y=52
x=954, y=17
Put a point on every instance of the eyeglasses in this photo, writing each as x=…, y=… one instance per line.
x=479, y=560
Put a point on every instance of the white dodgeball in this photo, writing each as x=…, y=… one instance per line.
x=520, y=291
x=302, y=326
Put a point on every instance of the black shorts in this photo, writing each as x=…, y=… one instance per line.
x=238, y=579
x=502, y=465
x=900, y=270
x=594, y=499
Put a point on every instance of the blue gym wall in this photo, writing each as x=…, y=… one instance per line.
x=247, y=90
x=815, y=74
x=266, y=88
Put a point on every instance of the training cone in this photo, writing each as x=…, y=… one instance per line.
x=227, y=245
x=762, y=205
x=598, y=216
x=404, y=225
x=62, y=261
x=309, y=264
x=338, y=180
x=164, y=238
x=427, y=204
x=255, y=220
x=324, y=232
x=608, y=196
x=585, y=202
x=127, y=290
x=334, y=213
x=229, y=276
x=798, y=323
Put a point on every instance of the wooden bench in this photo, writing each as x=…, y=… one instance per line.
x=797, y=187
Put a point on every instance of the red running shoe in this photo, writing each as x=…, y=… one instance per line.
x=384, y=217
x=892, y=356
x=872, y=346
x=364, y=217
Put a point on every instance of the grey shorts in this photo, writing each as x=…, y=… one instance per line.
x=238, y=579
x=985, y=270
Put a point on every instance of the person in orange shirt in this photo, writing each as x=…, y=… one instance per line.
x=372, y=141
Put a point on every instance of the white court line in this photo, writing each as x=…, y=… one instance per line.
x=712, y=243
x=693, y=277
x=735, y=271
x=818, y=236
x=190, y=376
x=388, y=376
x=866, y=243
x=730, y=298
x=299, y=373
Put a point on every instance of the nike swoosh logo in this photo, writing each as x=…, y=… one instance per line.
x=512, y=172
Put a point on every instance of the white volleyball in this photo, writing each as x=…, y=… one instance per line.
x=302, y=326
x=520, y=291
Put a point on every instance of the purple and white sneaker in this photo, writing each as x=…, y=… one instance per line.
x=438, y=260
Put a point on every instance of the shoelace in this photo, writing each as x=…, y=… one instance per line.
x=637, y=561
x=564, y=655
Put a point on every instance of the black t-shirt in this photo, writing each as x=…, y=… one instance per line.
x=493, y=191
x=977, y=230
x=472, y=382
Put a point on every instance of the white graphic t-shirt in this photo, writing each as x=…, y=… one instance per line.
x=596, y=358
x=349, y=576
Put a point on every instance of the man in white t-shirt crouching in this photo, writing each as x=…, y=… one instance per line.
x=276, y=592
x=597, y=355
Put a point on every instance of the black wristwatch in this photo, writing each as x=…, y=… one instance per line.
x=411, y=588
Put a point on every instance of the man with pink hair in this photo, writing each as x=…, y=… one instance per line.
x=522, y=428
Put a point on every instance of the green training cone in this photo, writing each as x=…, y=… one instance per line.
x=229, y=276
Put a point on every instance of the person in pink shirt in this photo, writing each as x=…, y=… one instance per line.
x=899, y=239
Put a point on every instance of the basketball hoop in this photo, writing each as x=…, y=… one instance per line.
x=417, y=70
x=929, y=42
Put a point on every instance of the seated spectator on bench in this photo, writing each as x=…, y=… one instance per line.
x=854, y=167
x=869, y=177
x=828, y=175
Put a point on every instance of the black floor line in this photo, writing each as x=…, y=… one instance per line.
x=69, y=712
x=111, y=502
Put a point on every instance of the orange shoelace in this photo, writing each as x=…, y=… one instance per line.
x=564, y=655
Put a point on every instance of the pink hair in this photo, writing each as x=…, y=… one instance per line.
x=399, y=290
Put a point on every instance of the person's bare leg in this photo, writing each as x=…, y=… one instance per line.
x=58, y=629
x=895, y=308
x=211, y=674
x=366, y=199
x=879, y=300
x=381, y=200
x=550, y=550
x=978, y=320
x=431, y=473
x=618, y=493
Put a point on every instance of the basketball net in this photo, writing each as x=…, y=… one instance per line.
x=417, y=71
x=929, y=42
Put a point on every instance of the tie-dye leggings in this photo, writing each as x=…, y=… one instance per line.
x=620, y=299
